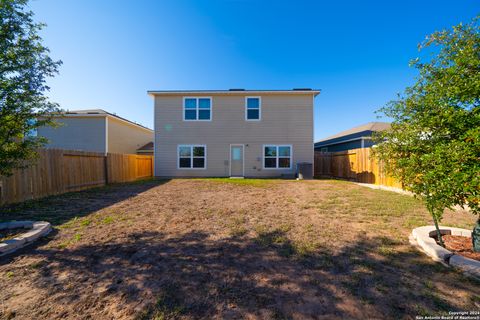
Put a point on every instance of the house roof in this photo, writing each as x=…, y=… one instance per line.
x=368, y=127
x=99, y=113
x=146, y=148
x=233, y=92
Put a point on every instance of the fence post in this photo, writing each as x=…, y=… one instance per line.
x=357, y=164
x=152, y=166
x=105, y=162
x=58, y=171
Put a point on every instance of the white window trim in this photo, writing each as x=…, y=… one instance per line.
x=277, y=157
x=259, y=109
x=197, y=109
x=191, y=156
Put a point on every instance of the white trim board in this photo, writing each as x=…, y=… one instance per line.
x=229, y=92
x=106, y=135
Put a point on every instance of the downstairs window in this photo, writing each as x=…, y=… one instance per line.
x=192, y=156
x=277, y=157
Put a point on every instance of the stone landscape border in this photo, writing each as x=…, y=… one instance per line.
x=36, y=229
x=423, y=237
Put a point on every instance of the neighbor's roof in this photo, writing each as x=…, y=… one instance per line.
x=99, y=112
x=371, y=126
x=147, y=147
x=232, y=92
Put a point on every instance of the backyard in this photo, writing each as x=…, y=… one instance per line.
x=220, y=248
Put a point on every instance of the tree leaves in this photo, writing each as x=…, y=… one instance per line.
x=434, y=143
x=24, y=67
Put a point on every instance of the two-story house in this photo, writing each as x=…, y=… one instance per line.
x=95, y=130
x=232, y=133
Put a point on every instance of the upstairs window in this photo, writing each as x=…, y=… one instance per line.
x=277, y=157
x=192, y=156
x=197, y=109
x=252, y=108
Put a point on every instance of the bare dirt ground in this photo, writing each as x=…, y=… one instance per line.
x=230, y=249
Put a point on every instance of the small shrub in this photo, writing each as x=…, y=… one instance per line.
x=85, y=222
x=108, y=220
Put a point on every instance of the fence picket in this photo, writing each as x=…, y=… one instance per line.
x=58, y=171
x=356, y=165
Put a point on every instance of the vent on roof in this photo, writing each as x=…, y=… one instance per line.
x=93, y=112
x=236, y=89
x=302, y=89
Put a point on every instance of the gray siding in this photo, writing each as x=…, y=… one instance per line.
x=86, y=134
x=342, y=146
x=286, y=119
x=346, y=142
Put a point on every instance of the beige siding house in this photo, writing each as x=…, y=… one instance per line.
x=232, y=133
x=96, y=130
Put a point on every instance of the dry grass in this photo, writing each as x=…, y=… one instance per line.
x=221, y=248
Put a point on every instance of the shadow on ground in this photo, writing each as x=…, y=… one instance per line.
x=151, y=270
x=149, y=275
x=62, y=208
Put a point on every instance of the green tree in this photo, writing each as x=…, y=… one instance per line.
x=24, y=67
x=433, y=146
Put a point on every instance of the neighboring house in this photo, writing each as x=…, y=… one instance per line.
x=146, y=150
x=96, y=130
x=237, y=133
x=358, y=137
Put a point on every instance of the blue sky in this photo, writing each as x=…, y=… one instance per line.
x=356, y=52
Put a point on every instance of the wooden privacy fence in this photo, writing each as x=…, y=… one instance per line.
x=128, y=167
x=356, y=165
x=58, y=171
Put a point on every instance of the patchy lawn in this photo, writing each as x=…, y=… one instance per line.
x=220, y=248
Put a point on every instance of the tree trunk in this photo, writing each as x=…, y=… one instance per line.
x=439, y=235
x=476, y=236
